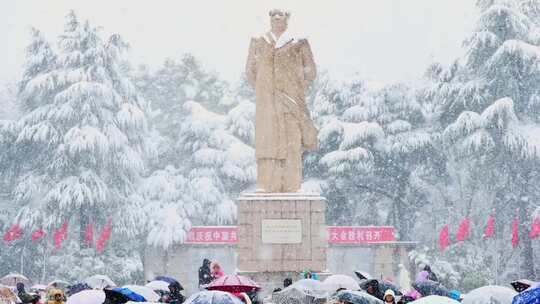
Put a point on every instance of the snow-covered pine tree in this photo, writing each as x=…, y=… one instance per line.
x=371, y=144
x=487, y=104
x=218, y=165
x=83, y=144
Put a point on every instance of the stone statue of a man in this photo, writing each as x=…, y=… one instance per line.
x=281, y=69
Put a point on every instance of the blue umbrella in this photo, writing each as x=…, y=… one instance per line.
x=529, y=296
x=213, y=297
x=130, y=294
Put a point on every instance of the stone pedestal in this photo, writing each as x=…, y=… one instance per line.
x=281, y=234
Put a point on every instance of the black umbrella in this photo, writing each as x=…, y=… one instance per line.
x=169, y=280
x=115, y=297
x=78, y=287
x=428, y=288
x=384, y=286
x=357, y=297
x=521, y=285
x=381, y=286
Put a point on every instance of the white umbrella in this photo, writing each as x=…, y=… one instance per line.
x=99, y=281
x=146, y=292
x=87, y=297
x=435, y=300
x=39, y=287
x=158, y=285
x=13, y=278
x=490, y=295
x=338, y=281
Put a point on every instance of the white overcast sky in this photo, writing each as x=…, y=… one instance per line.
x=385, y=40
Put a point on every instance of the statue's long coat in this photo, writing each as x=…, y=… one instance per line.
x=280, y=76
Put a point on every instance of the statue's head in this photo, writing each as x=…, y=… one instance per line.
x=279, y=19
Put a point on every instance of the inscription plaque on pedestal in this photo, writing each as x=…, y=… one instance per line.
x=281, y=231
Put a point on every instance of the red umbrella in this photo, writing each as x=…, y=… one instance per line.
x=234, y=283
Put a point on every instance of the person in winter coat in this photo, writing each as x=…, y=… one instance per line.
x=373, y=289
x=432, y=276
x=216, y=271
x=175, y=297
x=56, y=296
x=25, y=297
x=389, y=297
x=205, y=274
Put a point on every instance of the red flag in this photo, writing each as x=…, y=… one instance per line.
x=515, y=232
x=490, y=228
x=105, y=235
x=38, y=235
x=535, y=229
x=464, y=230
x=89, y=234
x=14, y=233
x=60, y=235
x=444, y=238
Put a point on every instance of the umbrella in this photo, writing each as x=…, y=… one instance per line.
x=158, y=285
x=87, y=297
x=307, y=291
x=490, y=295
x=13, y=278
x=435, y=300
x=58, y=283
x=521, y=285
x=357, y=297
x=78, y=287
x=529, y=296
x=338, y=281
x=99, y=281
x=38, y=287
x=169, y=280
x=428, y=288
x=362, y=275
x=129, y=294
x=213, y=297
x=234, y=283
x=146, y=292
x=384, y=286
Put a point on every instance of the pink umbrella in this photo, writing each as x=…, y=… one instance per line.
x=234, y=283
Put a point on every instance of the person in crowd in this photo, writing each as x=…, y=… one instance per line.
x=287, y=282
x=432, y=276
x=373, y=289
x=25, y=297
x=216, y=270
x=389, y=297
x=56, y=296
x=308, y=274
x=205, y=274
x=175, y=297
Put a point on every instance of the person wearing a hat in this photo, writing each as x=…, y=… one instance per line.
x=389, y=296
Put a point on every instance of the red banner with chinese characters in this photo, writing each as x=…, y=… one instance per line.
x=213, y=235
x=336, y=235
x=360, y=234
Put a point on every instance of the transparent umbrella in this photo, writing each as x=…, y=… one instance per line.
x=490, y=295
x=13, y=278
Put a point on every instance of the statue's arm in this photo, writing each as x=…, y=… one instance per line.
x=310, y=69
x=251, y=64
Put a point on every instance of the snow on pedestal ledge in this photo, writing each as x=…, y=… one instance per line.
x=287, y=196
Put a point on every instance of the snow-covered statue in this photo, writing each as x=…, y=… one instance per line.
x=280, y=68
